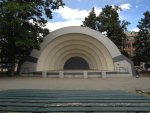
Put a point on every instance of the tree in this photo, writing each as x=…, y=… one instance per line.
x=22, y=27
x=142, y=40
x=109, y=23
x=90, y=20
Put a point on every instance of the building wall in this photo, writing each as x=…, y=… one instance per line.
x=62, y=48
x=129, y=43
x=100, y=52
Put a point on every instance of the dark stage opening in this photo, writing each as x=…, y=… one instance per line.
x=76, y=63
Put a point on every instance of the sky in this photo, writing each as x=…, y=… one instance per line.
x=74, y=12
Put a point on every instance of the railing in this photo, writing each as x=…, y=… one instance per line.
x=78, y=74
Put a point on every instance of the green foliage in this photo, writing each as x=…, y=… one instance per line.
x=90, y=20
x=22, y=26
x=125, y=53
x=109, y=23
x=142, y=42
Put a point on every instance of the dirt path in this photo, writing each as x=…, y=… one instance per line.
x=127, y=84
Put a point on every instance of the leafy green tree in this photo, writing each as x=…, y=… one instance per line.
x=110, y=23
x=22, y=27
x=90, y=20
x=142, y=43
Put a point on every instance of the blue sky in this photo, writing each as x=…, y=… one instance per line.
x=75, y=11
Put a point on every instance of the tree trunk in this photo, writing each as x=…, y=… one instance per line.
x=12, y=67
x=146, y=66
x=19, y=67
x=1, y=64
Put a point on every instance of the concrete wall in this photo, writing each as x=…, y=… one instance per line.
x=59, y=46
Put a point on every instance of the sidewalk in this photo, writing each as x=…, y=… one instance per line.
x=126, y=84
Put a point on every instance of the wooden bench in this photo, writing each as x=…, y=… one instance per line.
x=72, y=101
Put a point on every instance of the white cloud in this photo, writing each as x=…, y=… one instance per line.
x=71, y=14
x=136, y=6
x=56, y=25
x=98, y=10
x=126, y=6
x=135, y=30
x=72, y=17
